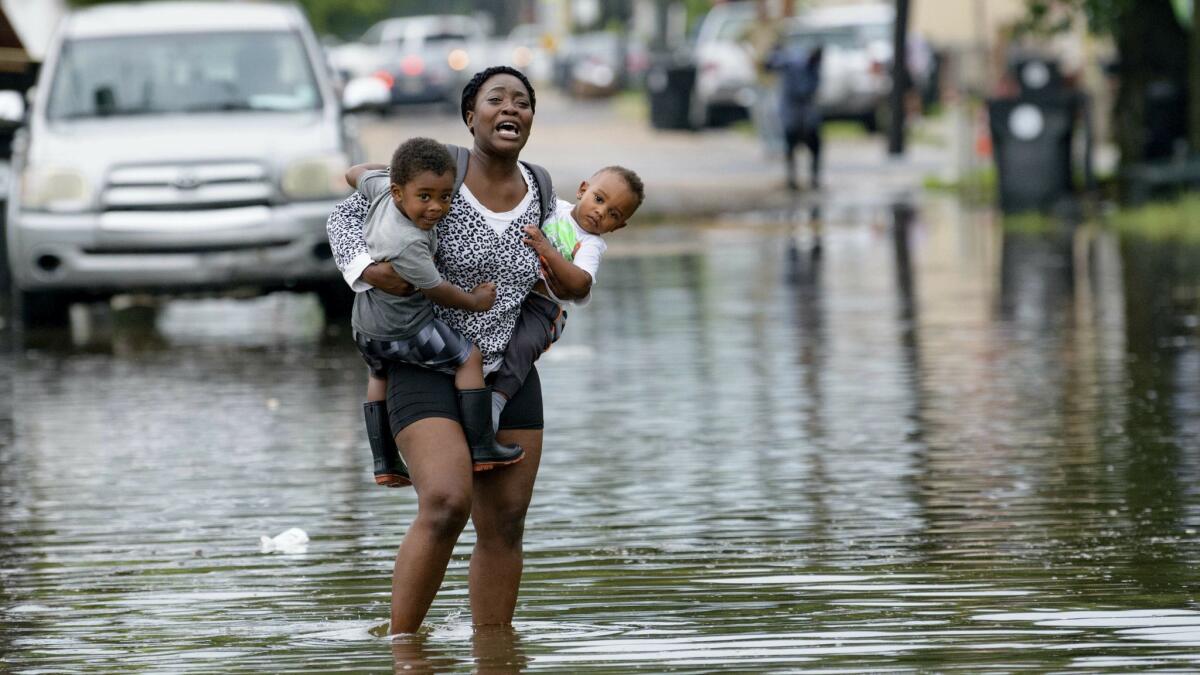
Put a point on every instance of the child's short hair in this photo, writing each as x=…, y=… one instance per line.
x=631, y=179
x=417, y=155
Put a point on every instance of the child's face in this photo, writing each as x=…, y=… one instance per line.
x=605, y=203
x=425, y=198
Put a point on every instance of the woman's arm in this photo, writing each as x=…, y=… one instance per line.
x=573, y=282
x=383, y=276
x=480, y=299
x=345, y=231
x=355, y=172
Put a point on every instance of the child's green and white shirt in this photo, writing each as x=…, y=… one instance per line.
x=580, y=247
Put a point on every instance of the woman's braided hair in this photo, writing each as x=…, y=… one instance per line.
x=472, y=89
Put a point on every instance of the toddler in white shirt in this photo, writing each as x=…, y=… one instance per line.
x=570, y=245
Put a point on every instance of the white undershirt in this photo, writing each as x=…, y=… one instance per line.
x=500, y=221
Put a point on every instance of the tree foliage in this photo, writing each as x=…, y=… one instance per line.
x=1053, y=16
x=345, y=18
x=1104, y=17
x=348, y=19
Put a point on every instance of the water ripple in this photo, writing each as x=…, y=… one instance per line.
x=956, y=458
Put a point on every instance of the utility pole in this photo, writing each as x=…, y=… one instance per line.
x=899, y=78
x=660, y=26
x=1194, y=81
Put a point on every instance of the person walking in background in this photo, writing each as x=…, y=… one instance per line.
x=799, y=73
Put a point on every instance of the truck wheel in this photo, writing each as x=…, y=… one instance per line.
x=41, y=309
x=5, y=272
x=870, y=121
x=878, y=119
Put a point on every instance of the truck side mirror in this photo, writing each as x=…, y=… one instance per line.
x=12, y=107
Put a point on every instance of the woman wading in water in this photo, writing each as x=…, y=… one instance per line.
x=480, y=239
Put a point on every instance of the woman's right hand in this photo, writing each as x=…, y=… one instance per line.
x=484, y=295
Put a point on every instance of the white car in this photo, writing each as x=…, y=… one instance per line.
x=529, y=48
x=725, y=71
x=856, y=68
x=421, y=59
x=177, y=146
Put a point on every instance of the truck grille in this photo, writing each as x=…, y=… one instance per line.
x=179, y=187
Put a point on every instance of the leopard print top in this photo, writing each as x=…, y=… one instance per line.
x=345, y=229
x=469, y=252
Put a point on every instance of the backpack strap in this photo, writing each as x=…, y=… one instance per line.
x=541, y=177
x=545, y=190
x=461, y=157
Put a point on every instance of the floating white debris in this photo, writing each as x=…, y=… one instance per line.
x=292, y=540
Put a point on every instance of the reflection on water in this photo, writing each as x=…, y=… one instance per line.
x=877, y=439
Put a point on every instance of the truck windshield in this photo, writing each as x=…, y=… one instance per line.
x=182, y=73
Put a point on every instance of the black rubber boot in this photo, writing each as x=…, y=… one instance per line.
x=475, y=407
x=389, y=468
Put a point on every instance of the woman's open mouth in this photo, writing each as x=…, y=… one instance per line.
x=508, y=130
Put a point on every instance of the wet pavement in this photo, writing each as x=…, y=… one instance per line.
x=688, y=174
x=935, y=445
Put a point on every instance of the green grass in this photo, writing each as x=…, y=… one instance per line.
x=1029, y=223
x=977, y=186
x=1177, y=220
x=745, y=128
x=632, y=104
x=844, y=130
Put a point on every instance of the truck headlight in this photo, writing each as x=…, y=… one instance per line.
x=56, y=189
x=316, y=177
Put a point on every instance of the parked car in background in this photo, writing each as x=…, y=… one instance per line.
x=856, y=70
x=422, y=59
x=367, y=93
x=177, y=147
x=726, y=75
x=530, y=48
x=856, y=73
x=599, y=63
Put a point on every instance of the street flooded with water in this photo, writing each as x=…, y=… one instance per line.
x=935, y=445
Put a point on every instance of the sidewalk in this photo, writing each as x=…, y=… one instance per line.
x=689, y=174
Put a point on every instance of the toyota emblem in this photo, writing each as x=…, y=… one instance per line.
x=186, y=181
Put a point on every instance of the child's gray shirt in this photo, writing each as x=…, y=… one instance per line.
x=392, y=237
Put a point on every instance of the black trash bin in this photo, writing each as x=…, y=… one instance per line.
x=669, y=87
x=1036, y=75
x=1031, y=141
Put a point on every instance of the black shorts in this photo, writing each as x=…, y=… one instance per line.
x=416, y=393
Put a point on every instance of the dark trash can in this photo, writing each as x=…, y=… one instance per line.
x=669, y=87
x=1031, y=141
x=1165, y=119
x=1036, y=75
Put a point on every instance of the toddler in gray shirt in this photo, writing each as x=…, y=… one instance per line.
x=407, y=199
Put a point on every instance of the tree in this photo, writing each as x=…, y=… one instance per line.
x=1155, y=54
x=1194, y=80
x=349, y=18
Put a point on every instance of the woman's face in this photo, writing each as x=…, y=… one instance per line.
x=502, y=117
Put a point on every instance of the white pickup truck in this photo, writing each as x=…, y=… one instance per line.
x=177, y=146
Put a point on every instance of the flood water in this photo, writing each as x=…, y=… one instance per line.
x=934, y=446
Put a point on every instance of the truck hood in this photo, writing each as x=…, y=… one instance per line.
x=94, y=145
